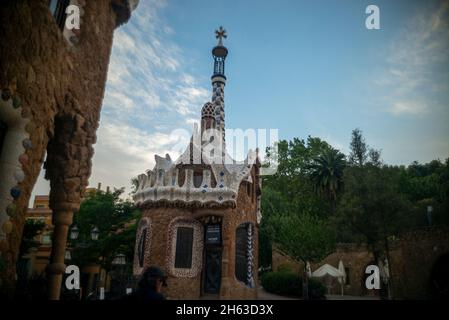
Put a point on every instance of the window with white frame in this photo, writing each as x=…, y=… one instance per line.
x=185, y=239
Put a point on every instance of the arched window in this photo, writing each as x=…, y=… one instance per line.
x=197, y=178
x=248, y=189
x=244, y=254
x=142, y=247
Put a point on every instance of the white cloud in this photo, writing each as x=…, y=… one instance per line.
x=409, y=107
x=416, y=59
x=148, y=96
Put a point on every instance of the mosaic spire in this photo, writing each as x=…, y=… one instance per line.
x=219, y=53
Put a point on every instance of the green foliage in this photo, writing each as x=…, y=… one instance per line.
x=289, y=191
x=303, y=237
x=317, y=290
x=359, y=148
x=116, y=220
x=290, y=284
x=326, y=172
x=265, y=250
x=370, y=201
x=30, y=230
x=372, y=206
x=285, y=267
x=282, y=282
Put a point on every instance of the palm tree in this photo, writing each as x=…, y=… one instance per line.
x=326, y=172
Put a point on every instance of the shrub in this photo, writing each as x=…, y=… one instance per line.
x=317, y=290
x=290, y=284
x=285, y=267
x=282, y=282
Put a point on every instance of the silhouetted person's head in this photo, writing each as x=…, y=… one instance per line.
x=153, y=278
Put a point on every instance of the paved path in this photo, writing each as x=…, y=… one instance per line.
x=263, y=295
x=345, y=297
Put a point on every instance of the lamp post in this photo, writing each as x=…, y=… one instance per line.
x=82, y=243
x=119, y=264
x=74, y=232
x=95, y=233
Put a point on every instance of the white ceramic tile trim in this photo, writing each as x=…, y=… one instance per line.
x=197, y=250
x=145, y=223
x=11, y=171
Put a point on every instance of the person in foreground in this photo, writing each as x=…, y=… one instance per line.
x=150, y=285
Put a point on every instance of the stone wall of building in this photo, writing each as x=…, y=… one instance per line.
x=245, y=211
x=355, y=259
x=161, y=217
x=59, y=86
x=190, y=287
x=412, y=258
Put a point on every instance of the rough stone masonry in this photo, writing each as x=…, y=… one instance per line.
x=56, y=79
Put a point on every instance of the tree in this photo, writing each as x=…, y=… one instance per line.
x=115, y=219
x=373, y=208
x=30, y=230
x=359, y=149
x=326, y=172
x=304, y=237
x=290, y=191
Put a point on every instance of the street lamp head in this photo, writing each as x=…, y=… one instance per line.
x=119, y=260
x=95, y=233
x=74, y=232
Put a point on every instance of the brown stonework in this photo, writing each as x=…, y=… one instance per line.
x=412, y=257
x=61, y=86
x=190, y=288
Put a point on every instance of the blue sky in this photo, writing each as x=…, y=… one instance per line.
x=303, y=67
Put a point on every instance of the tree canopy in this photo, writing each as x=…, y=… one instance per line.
x=116, y=221
x=358, y=200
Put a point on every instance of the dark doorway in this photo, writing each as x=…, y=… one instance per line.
x=212, y=270
x=439, y=278
x=212, y=258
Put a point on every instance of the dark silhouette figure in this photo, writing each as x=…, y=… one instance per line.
x=150, y=285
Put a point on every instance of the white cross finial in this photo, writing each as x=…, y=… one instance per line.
x=220, y=34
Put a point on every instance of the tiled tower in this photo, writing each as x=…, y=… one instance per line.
x=199, y=213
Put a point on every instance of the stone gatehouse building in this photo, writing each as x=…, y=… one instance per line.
x=52, y=83
x=200, y=213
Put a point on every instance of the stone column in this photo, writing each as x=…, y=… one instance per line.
x=67, y=165
x=62, y=219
